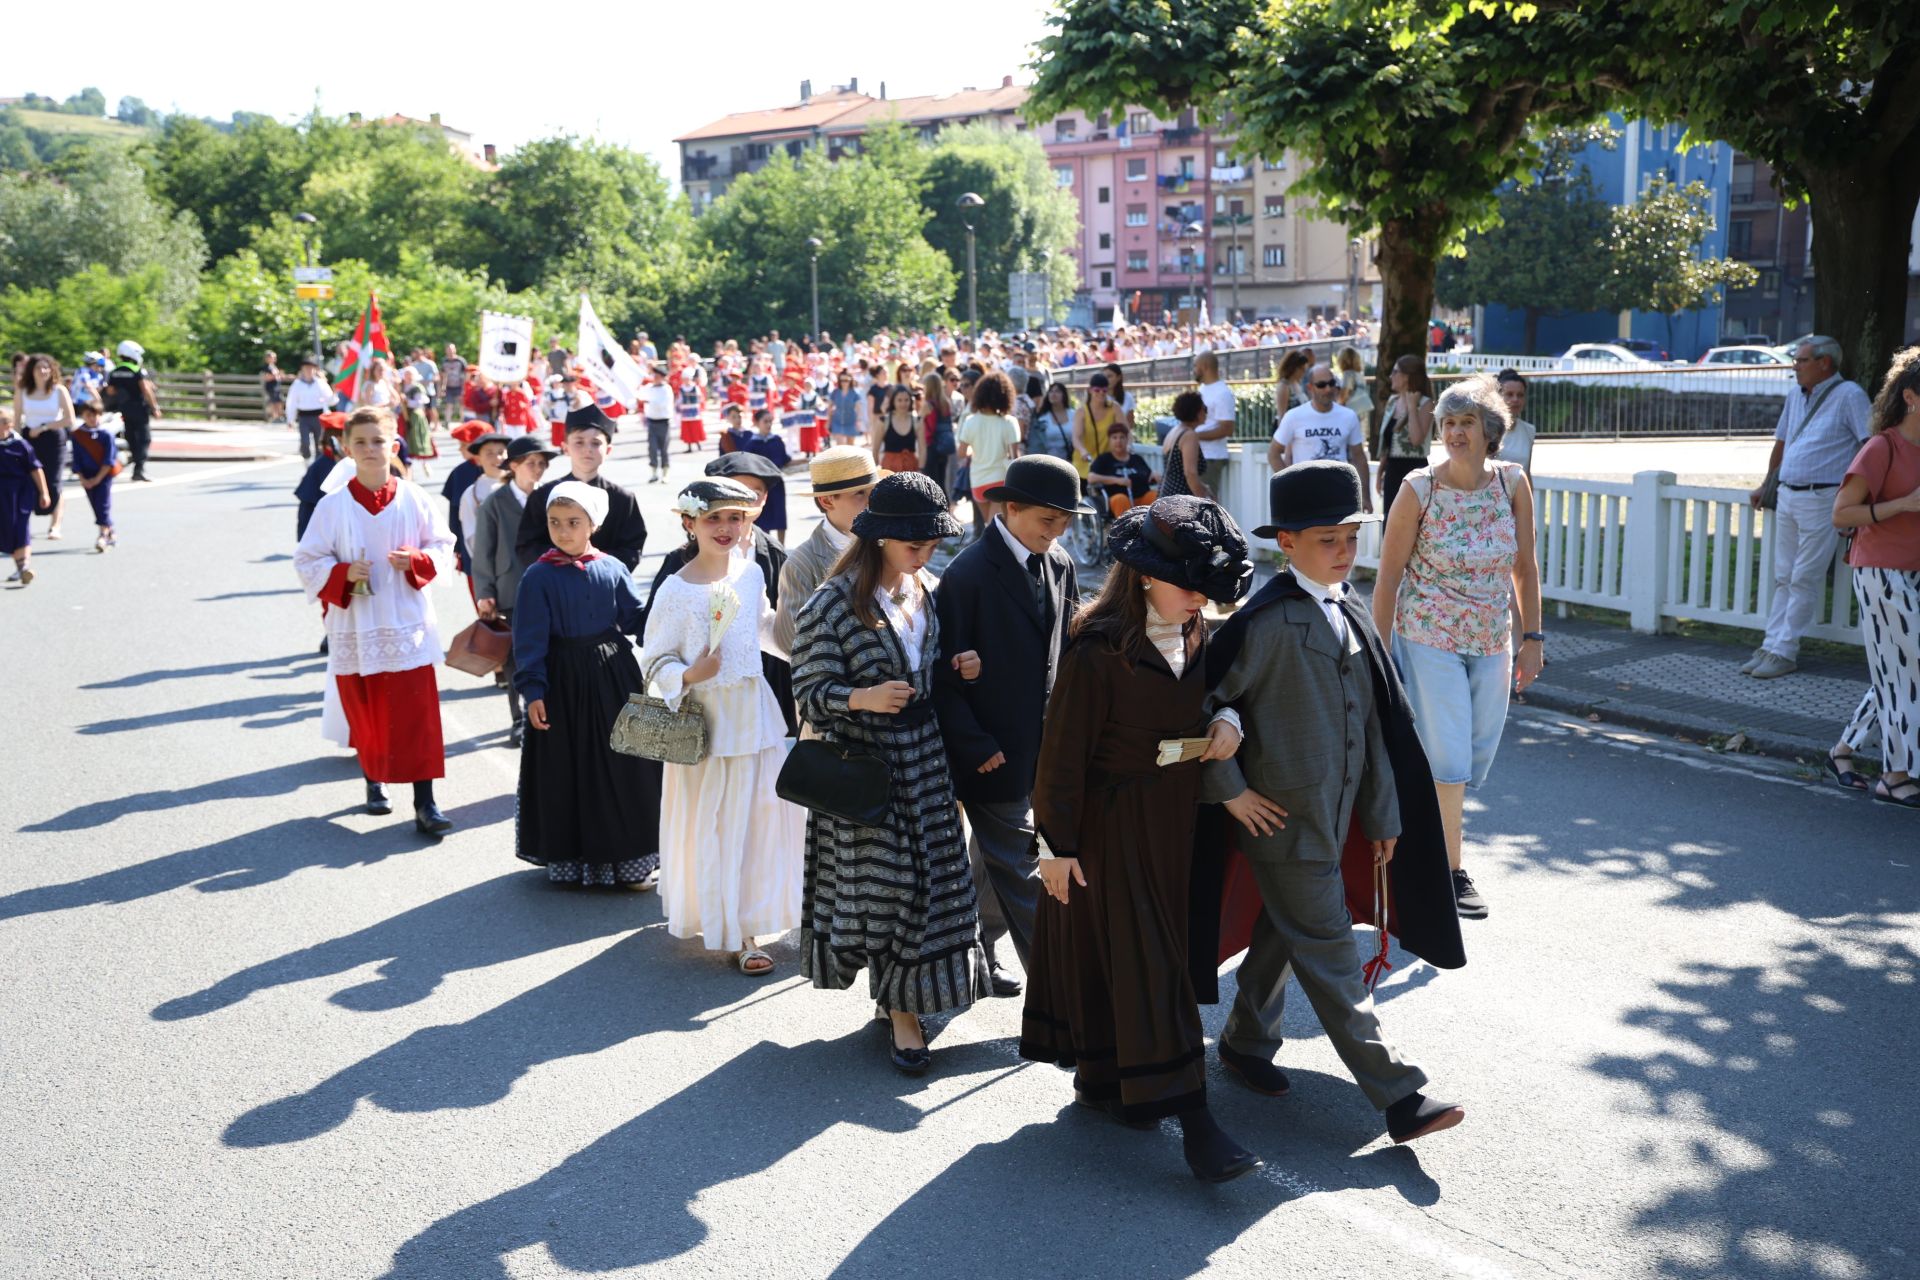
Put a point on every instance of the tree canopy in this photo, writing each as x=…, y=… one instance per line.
x=1026, y=214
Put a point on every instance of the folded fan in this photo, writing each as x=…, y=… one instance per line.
x=723, y=605
x=1181, y=750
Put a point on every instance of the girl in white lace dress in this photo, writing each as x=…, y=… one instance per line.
x=730, y=849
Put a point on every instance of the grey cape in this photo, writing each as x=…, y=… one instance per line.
x=1421, y=912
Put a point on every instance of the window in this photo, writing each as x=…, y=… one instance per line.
x=1136, y=259
x=1136, y=168
x=1063, y=175
x=1063, y=129
x=1139, y=122
x=1106, y=279
x=1274, y=166
x=1106, y=194
x=1739, y=237
x=1186, y=166
x=1219, y=203
x=1274, y=255
x=795, y=147
x=1106, y=240
x=1222, y=159
x=1136, y=215
x=757, y=151
x=1275, y=207
x=1236, y=208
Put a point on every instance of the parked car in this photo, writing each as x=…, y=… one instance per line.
x=1645, y=348
x=1593, y=355
x=1745, y=355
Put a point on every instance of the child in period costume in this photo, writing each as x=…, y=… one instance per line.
x=368, y=555
x=843, y=477
x=462, y=477
x=589, y=439
x=1010, y=595
x=1110, y=994
x=23, y=490
x=587, y=813
x=96, y=462
x=496, y=565
x=896, y=900
x=1329, y=745
x=730, y=847
x=690, y=403
x=489, y=453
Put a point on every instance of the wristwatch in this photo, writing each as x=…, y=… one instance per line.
x=1541, y=636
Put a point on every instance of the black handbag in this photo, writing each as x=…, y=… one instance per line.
x=848, y=785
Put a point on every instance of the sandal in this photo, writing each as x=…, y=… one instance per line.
x=1841, y=767
x=746, y=962
x=1894, y=794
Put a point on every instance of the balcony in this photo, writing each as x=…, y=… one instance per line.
x=1233, y=175
x=1180, y=135
x=1228, y=269
x=698, y=168
x=1177, y=182
x=1184, y=267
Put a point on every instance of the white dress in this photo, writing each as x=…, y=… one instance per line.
x=730, y=849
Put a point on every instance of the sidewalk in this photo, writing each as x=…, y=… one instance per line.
x=1693, y=688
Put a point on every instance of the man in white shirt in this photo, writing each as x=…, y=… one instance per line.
x=656, y=402
x=308, y=396
x=1321, y=430
x=1217, y=430
x=1822, y=425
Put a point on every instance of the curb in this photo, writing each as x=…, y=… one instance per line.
x=1634, y=716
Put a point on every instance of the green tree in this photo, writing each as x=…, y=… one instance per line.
x=876, y=267
x=231, y=182
x=92, y=307
x=88, y=102
x=1547, y=255
x=1829, y=95
x=102, y=213
x=1027, y=213
x=1410, y=115
x=135, y=111
x=573, y=209
x=391, y=188
x=1654, y=254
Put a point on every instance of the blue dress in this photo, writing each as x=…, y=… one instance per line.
x=18, y=493
x=587, y=813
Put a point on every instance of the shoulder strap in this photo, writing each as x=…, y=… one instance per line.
x=1812, y=409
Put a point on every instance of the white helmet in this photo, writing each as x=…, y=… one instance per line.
x=131, y=350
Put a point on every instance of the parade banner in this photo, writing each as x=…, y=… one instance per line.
x=506, y=346
x=612, y=373
x=369, y=340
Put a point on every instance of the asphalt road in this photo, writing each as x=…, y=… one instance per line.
x=251, y=1032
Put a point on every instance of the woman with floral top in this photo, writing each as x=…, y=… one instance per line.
x=1452, y=561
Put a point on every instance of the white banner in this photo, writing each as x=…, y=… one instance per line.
x=506, y=344
x=605, y=363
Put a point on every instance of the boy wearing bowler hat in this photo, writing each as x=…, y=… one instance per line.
x=1328, y=767
x=1009, y=596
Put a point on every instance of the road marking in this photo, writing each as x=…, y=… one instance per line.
x=126, y=487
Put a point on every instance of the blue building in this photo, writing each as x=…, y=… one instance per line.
x=1641, y=151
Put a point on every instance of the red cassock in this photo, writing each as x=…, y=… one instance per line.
x=395, y=722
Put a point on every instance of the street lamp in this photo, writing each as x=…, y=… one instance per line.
x=307, y=222
x=1046, y=285
x=813, y=254
x=968, y=204
x=1187, y=232
x=1353, y=280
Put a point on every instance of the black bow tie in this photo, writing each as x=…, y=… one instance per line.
x=1033, y=566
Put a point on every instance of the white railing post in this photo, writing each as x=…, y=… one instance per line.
x=1646, y=577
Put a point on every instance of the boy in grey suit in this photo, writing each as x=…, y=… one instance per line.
x=1306, y=682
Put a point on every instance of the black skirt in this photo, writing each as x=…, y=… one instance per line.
x=582, y=802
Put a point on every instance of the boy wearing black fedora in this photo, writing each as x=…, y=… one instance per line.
x=1328, y=768
x=1009, y=596
x=623, y=535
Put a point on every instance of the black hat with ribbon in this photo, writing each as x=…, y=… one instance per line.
x=1190, y=542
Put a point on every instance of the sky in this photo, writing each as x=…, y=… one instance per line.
x=636, y=75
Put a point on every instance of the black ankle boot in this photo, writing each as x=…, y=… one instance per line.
x=426, y=814
x=1211, y=1154
x=377, y=802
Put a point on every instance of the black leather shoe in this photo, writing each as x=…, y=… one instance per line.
x=1257, y=1074
x=323, y=646
x=909, y=1062
x=1004, y=984
x=1211, y=1154
x=1416, y=1116
x=377, y=802
x=431, y=821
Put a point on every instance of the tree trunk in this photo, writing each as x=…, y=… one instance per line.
x=1862, y=223
x=1532, y=344
x=1408, y=259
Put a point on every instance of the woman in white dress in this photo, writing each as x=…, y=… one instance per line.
x=730, y=849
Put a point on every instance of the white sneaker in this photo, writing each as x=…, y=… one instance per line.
x=1746, y=668
x=1773, y=666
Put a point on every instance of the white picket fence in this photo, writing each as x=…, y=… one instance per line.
x=1652, y=548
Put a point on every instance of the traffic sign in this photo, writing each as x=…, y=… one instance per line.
x=313, y=275
x=313, y=292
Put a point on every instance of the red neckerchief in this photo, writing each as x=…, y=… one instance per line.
x=374, y=500
x=556, y=556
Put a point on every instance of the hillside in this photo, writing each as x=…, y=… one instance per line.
x=91, y=126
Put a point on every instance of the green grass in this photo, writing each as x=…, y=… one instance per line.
x=93, y=126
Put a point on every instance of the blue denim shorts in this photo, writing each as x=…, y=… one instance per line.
x=1459, y=706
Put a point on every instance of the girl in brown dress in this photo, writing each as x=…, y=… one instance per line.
x=1110, y=995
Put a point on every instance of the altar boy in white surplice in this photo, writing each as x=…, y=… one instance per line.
x=367, y=556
